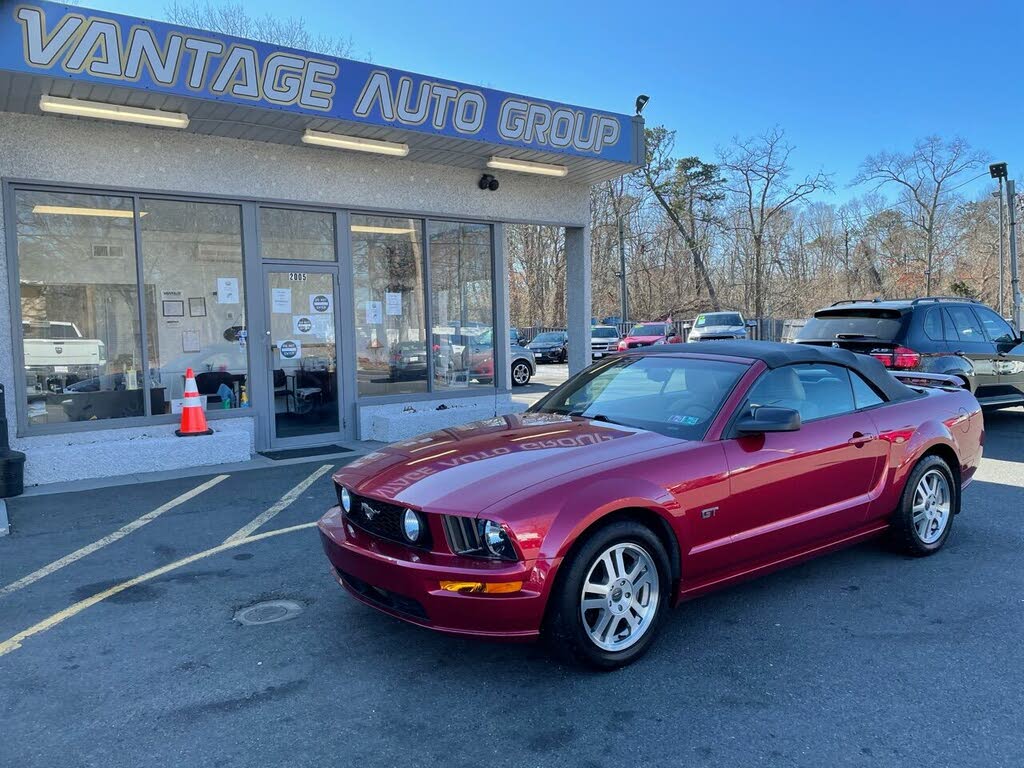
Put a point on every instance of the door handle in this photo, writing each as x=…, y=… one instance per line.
x=859, y=438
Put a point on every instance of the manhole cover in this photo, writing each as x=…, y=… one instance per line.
x=268, y=612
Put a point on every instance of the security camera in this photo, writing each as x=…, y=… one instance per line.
x=488, y=182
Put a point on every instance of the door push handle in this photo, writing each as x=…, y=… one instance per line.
x=859, y=439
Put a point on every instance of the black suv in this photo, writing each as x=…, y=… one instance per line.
x=935, y=334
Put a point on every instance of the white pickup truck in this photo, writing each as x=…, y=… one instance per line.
x=57, y=343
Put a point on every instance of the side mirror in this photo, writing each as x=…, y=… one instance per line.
x=675, y=340
x=769, y=418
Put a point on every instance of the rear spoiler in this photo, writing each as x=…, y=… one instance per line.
x=915, y=379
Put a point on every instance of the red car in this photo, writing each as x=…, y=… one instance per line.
x=646, y=334
x=650, y=478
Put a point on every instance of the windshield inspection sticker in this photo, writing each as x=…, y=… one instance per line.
x=687, y=420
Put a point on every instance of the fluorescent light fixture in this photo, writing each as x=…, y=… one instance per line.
x=354, y=143
x=70, y=210
x=526, y=166
x=369, y=230
x=99, y=110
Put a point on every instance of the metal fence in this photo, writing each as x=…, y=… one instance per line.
x=765, y=329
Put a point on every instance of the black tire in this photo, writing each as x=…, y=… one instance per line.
x=905, y=533
x=564, y=631
x=522, y=369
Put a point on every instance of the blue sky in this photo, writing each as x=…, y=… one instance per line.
x=844, y=78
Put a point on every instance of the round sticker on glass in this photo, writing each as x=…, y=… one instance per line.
x=290, y=350
x=320, y=303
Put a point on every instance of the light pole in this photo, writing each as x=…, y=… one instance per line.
x=998, y=171
x=623, y=296
x=1011, y=205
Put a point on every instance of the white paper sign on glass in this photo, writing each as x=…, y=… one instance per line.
x=394, y=303
x=227, y=290
x=281, y=301
x=374, y=312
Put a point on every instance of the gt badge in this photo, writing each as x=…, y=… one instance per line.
x=709, y=512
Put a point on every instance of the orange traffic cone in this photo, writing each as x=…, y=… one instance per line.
x=193, y=420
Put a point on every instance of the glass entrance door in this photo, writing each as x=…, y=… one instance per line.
x=303, y=353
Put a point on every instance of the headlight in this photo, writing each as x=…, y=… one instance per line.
x=478, y=538
x=344, y=498
x=412, y=526
x=495, y=540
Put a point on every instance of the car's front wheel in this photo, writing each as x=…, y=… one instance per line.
x=521, y=373
x=610, y=597
x=924, y=520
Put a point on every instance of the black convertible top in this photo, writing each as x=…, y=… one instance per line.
x=775, y=355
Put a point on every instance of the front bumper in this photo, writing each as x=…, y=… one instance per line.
x=546, y=355
x=405, y=583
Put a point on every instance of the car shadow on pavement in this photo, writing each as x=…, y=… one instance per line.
x=1004, y=435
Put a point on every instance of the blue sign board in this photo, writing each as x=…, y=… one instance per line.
x=73, y=43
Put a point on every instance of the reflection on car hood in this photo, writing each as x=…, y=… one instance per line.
x=467, y=468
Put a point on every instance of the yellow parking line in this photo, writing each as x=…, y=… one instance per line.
x=120, y=533
x=15, y=642
x=279, y=506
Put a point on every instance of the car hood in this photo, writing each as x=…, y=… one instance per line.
x=645, y=339
x=465, y=469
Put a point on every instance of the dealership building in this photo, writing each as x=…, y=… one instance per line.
x=321, y=240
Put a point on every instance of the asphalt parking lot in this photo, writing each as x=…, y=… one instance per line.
x=864, y=657
x=548, y=376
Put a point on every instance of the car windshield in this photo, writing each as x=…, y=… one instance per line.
x=604, y=333
x=549, y=337
x=880, y=324
x=674, y=396
x=648, y=329
x=718, y=318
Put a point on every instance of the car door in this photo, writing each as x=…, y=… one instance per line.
x=965, y=337
x=1009, y=361
x=790, y=490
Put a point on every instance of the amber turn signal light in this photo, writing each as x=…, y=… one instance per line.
x=481, y=587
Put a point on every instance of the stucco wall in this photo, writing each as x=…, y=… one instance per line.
x=84, y=152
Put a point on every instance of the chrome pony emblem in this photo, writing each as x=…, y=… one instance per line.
x=370, y=512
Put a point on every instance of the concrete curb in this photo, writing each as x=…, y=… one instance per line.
x=5, y=525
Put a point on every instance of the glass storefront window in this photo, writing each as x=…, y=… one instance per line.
x=79, y=307
x=195, y=301
x=291, y=234
x=462, y=309
x=390, y=332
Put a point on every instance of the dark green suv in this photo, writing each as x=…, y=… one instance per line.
x=934, y=334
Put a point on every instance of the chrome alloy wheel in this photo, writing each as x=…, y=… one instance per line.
x=620, y=597
x=932, y=506
x=520, y=373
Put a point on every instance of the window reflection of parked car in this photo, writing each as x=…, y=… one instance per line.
x=718, y=325
x=51, y=343
x=407, y=360
x=550, y=347
x=521, y=362
x=516, y=338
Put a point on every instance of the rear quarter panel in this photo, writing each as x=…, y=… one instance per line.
x=939, y=419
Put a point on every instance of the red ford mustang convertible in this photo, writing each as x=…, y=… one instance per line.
x=650, y=478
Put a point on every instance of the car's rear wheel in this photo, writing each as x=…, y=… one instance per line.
x=521, y=373
x=610, y=597
x=924, y=520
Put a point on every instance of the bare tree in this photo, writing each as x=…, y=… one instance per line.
x=232, y=18
x=687, y=189
x=758, y=171
x=926, y=176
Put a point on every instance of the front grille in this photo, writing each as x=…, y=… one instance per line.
x=635, y=344
x=464, y=536
x=384, y=520
x=385, y=598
